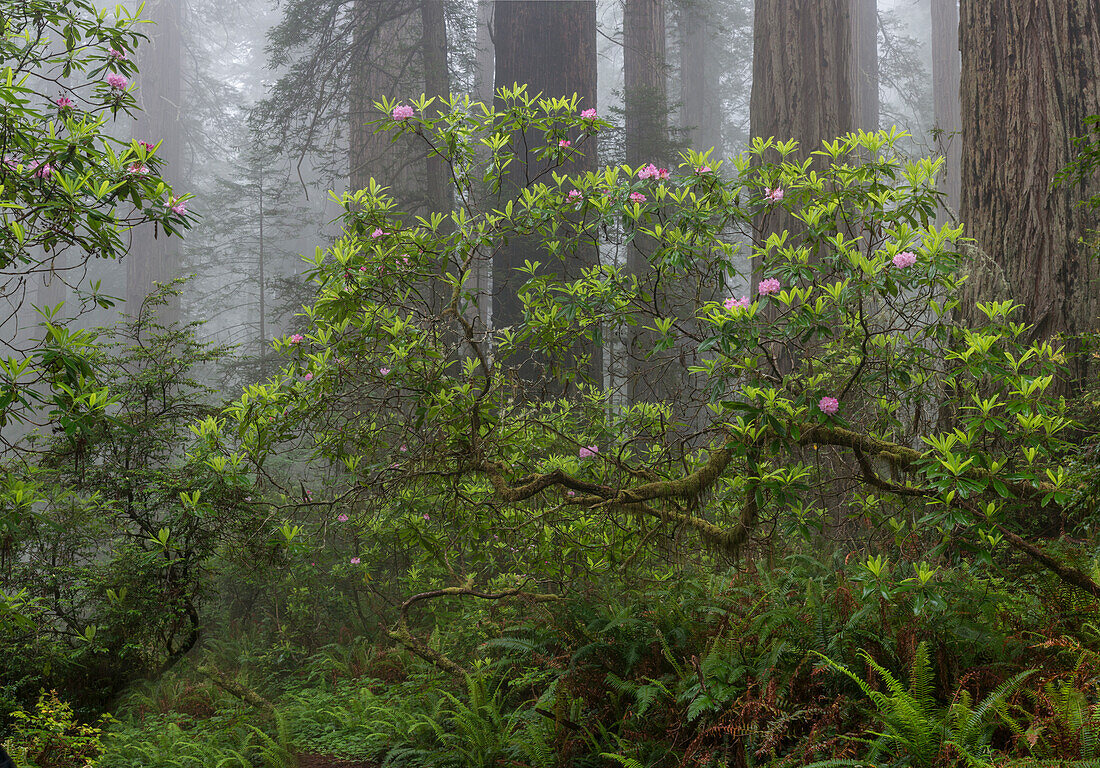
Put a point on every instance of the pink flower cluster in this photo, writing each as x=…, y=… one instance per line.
x=384, y=371
x=733, y=305
x=703, y=169
x=653, y=172
x=148, y=146
x=905, y=259
x=588, y=114
x=179, y=207
x=43, y=171
x=637, y=197
x=378, y=233
x=355, y=561
x=117, y=81
x=403, y=112
x=829, y=405
x=769, y=286
x=308, y=377
x=64, y=102
x=119, y=55
x=343, y=518
x=773, y=195
x=565, y=143
x=297, y=338
x=137, y=169
x=574, y=195
x=588, y=451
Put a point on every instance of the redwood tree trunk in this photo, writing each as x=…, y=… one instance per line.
x=701, y=107
x=437, y=84
x=152, y=256
x=1030, y=75
x=946, y=68
x=864, y=63
x=645, y=90
x=387, y=36
x=550, y=47
x=801, y=76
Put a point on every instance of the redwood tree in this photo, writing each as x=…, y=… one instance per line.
x=644, y=77
x=550, y=47
x=802, y=84
x=864, y=64
x=700, y=99
x=946, y=65
x=1030, y=76
x=154, y=258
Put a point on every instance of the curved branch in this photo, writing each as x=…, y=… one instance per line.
x=403, y=635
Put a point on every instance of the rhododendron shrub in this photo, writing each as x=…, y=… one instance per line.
x=839, y=396
x=69, y=190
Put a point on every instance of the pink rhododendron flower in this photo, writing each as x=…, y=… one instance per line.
x=768, y=287
x=180, y=208
x=570, y=493
x=829, y=405
x=147, y=145
x=426, y=516
x=355, y=561
x=574, y=194
x=297, y=338
x=405, y=258
x=137, y=169
x=588, y=451
x=905, y=259
x=120, y=55
x=733, y=304
x=402, y=112
x=663, y=174
x=565, y=143
x=773, y=195
x=308, y=377
x=637, y=197
x=588, y=114
x=378, y=233
x=117, y=81
x=43, y=171
x=403, y=448
x=648, y=172
x=363, y=268
x=384, y=371
x=343, y=518
x=703, y=169
x=64, y=102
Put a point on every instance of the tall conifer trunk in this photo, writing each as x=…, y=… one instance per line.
x=802, y=82
x=699, y=97
x=550, y=47
x=1030, y=76
x=946, y=69
x=864, y=64
x=153, y=257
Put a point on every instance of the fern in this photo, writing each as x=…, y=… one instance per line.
x=913, y=720
x=625, y=762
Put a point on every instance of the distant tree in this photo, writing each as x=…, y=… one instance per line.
x=550, y=48
x=151, y=258
x=864, y=64
x=645, y=74
x=946, y=70
x=700, y=87
x=1030, y=70
x=385, y=59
